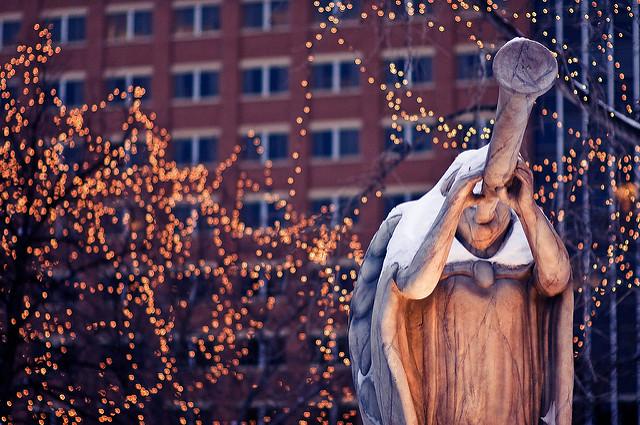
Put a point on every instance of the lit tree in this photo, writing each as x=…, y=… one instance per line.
x=131, y=288
x=585, y=134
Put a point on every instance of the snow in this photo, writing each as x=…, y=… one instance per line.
x=418, y=217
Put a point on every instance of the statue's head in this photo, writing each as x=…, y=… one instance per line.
x=480, y=235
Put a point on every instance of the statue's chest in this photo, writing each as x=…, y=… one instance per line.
x=479, y=292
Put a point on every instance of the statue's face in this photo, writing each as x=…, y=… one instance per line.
x=483, y=236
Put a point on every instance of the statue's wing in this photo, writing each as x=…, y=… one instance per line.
x=360, y=320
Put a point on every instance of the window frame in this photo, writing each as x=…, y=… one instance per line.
x=129, y=74
x=64, y=15
x=336, y=127
x=336, y=80
x=195, y=136
x=266, y=17
x=197, y=18
x=263, y=201
x=409, y=55
x=265, y=66
x=130, y=10
x=196, y=70
x=335, y=200
x=9, y=17
x=408, y=129
x=485, y=65
x=263, y=134
x=60, y=84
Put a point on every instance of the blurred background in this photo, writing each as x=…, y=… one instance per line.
x=190, y=186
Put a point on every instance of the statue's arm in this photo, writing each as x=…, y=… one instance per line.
x=552, y=270
x=419, y=278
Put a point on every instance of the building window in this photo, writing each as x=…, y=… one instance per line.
x=403, y=10
x=9, y=33
x=265, y=14
x=264, y=351
x=344, y=10
x=262, y=213
x=335, y=209
x=67, y=28
x=327, y=350
x=129, y=24
x=335, y=76
x=267, y=146
x=408, y=137
x=196, y=85
x=69, y=90
x=196, y=19
x=335, y=143
x=197, y=149
x=473, y=66
x=393, y=200
x=265, y=80
x=409, y=71
x=124, y=81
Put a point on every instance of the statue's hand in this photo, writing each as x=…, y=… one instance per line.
x=519, y=193
x=462, y=189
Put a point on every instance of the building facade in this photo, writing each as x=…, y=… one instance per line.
x=309, y=83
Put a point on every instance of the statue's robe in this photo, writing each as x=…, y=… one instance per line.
x=483, y=348
x=487, y=346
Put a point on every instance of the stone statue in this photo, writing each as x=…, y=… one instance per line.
x=463, y=311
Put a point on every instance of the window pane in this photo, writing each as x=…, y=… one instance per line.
x=142, y=23
x=183, y=151
x=117, y=25
x=391, y=201
x=351, y=9
x=207, y=149
x=394, y=140
x=421, y=140
x=274, y=214
x=252, y=81
x=77, y=28
x=252, y=15
x=321, y=144
x=210, y=18
x=183, y=86
x=278, y=79
x=74, y=95
x=344, y=10
x=322, y=76
x=422, y=70
x=279, y=13
x=253, y=148
x=323, y=208
x=116, y=83
x=251, y=214
x=321, y=205
x=55, y=27
x=183, y=20
x=10, y=31
x=345, y=208
x=145, y=83
x=468, y=66
x=349, y=75
x=209, y=84
x=395, y=71
x=349, y=142
x=278, y=146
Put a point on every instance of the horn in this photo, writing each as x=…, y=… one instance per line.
x=524, y=70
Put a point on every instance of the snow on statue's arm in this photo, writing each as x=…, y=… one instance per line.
x=551, y=270
x=419, y=278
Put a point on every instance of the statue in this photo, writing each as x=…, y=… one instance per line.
x=463, y=311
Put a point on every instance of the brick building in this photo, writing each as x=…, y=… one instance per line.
x=220, y=73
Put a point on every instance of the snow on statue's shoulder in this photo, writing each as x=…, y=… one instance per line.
x=418, y=217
